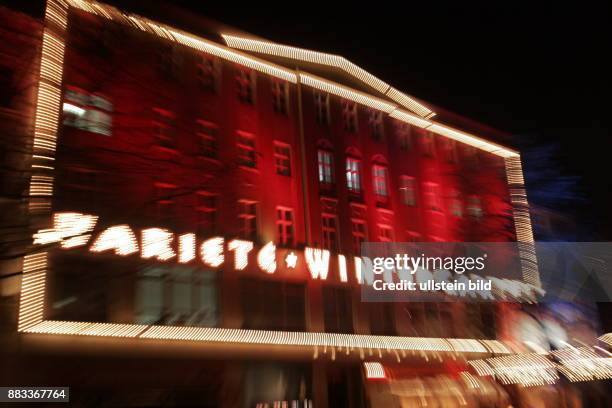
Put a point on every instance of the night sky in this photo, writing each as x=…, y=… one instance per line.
x=537, y=71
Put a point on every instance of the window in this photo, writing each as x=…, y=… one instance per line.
x=455, y=205
x=90, y=112
x=408, y=190
x=431, y=197
x=329, y=231
x=273, y=305
x=404, y=135
x=474, y=207
x=245, y=82
x=247, y=214
x=450, y=150
x=353, y=175
x=284, y=226
x=326, y=167
x=7, y=86
x=247, y=155
x=349, y=115
x=170, y=61
x=428, y=146
x=471, y=156
x=282, y=159
x=280, y=96
x=208, y=138
x=338, y=311
x=379, y=180
x=207, y=207
x=382, y=322
x=322, y=108
x=165, y=201
x=413, y=236
x=164, y=128
x=208, y=72
x=80, y=187
x=385, y=233
x=359, y=233
x=180, y=296
x=375, y=122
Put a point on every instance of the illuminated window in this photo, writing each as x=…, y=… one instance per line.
x=208, y=72
x=326, y=167
x=247, y=155
x=403, y=132
x=379, y=181
x=245, y=83
x=165, y=205
x=349, y=115
x=329, y=231
x=247, y=214
x=450, y=150
x=282, y=159
x=170, y=61
x=408, y=190
x=273, y=305
x=179, y=296
x=385, y=233
x=359, y=233
x=431, y=197
x=353, y=175
x=164, y=128
x=338, y=311
x=208, y=138
x=376, y=124
x=280, y=96
x=455, y=204
x=206, y=208
x=474, y=207
x=89, y=112
x=428, y=144
x=322, y=108
x=285, y=226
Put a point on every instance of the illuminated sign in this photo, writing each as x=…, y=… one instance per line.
x=73, y=230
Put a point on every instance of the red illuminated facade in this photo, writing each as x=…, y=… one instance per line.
x=155, y=133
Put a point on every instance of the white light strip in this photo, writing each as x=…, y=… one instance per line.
x=261, y=337
x=522, y=221
x=346, y=92
x=186, y=39
x=270, y=48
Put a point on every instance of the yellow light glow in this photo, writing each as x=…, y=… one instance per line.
x=157, y=243
x=266, y=258
x=211, y=251
x=71, y=229
x=374, y=370
x=31, y=301
x=120, y=239
x=342, y=268
x=241, y=252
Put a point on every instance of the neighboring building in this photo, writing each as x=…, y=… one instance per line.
x=277, y=153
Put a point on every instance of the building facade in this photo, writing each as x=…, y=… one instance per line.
x=216, y=191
